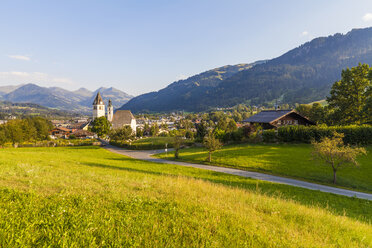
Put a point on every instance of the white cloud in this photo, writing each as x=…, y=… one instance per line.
x=20, y=57
x=39, y=78
x=367, y=17
x=305, y=33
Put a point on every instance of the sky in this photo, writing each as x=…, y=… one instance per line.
x=140, y=46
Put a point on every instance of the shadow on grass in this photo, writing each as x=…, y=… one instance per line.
x=339, y=205
x=124, y=169
x=87, y=147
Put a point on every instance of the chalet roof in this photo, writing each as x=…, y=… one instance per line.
x=62, y=129
x=82, y=133
x=122, y=117
x=267, y=116
x=98, y=100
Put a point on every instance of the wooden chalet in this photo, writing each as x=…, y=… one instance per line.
x=269, y=119
x=60, y=132
x=83, y=134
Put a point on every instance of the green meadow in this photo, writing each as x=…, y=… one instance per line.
x=90, y=197
x=289, y=160
x=152, y=143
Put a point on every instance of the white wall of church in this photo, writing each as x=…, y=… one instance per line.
x=133, y=125
x=98, y=111
x=110, y=113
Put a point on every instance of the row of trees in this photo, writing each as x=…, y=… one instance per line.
x=31, y=129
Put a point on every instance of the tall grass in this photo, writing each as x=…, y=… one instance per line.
x=89, y=197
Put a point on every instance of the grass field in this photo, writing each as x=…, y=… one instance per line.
x=152, y=143
x=89, y=197
x=293, y=160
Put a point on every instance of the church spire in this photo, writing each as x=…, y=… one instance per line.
x=98, y=100
x=98, y=106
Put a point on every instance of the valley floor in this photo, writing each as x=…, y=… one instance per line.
x=88, y=196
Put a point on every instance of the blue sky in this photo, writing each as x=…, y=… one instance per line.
x=140, y=46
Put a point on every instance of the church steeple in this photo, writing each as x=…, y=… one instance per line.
x=98, y=100
x=98, y=106
x=110, y=111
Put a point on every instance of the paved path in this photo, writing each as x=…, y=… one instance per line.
x=147, y=155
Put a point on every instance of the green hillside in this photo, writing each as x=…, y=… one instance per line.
x=89, y=197
x=302, y=75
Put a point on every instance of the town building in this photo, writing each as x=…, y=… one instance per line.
x=60, y=132
x=269, y=119
x=118, y=119
x=98, y=107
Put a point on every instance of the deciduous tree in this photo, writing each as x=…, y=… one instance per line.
x=177, y=144
x=211, y=144
x=101, y=126
x=332, y=152
x=349, y=95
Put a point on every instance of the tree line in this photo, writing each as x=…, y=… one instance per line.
x=30, y=129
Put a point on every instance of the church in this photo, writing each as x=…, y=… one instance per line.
x=118, y=119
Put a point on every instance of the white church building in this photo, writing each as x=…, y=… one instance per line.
x=118, y=119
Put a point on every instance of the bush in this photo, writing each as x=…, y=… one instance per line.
x=352, y=134
x=269, y=136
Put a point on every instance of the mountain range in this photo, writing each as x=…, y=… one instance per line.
x=8, y=109
x=304, y=74
x=54, y=97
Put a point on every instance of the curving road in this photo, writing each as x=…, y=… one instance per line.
x=147, y=155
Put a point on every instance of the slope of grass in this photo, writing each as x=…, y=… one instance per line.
x=89, y=197
x=293, y=160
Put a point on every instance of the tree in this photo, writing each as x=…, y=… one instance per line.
x=14, y=132
x=146, y=129
x=177, y=144
x=367, y=109
x=154, y=130
x=201, y=130
x=231, y=126
x=211, y=144
x=101, y=126
x=304, y=110
x=332, y=152
x=222, y=124
x=28, y=129
x=348, y=96
x=123, y=133
x=3, y=138
x=139, y=132
x=43, y=126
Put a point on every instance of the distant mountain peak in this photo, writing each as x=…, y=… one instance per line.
x=55, y=97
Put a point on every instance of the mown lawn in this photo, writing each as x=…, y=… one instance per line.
x=151, y=143
x=89, y=197
x=292, y=160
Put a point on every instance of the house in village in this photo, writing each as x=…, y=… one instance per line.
x=118, y=119
x=60, y=132
x=269, y=119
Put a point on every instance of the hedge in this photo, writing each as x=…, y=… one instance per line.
x=361, y=135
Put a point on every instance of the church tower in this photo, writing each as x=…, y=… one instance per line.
x=110, y=111
x=98, y=107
